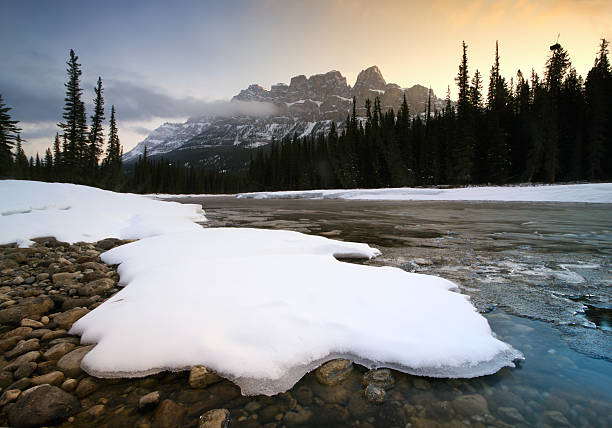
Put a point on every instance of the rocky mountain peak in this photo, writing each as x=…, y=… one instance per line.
x=370, y=79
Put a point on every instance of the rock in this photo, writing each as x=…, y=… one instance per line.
x=38, y=333
x=98, y=286
x=22, y=384
x=298, y=417
x=86, y=386
x=334, y=372
x=25, y=370
x=58, y=351
x=555, y=418
x=79, y=302
x=69, y=385
x=63, y=278
x=22, y=359
x=511, y=415
x=96, y=411
x=470, y=405
x=42, y=276
x=303, y=395
x=252, y=406
x=19, y=332
x=70, y=363
x=52, y=378
x=375, y=394
x=42, y=405
x=380, y=377
x=54, y=334
x=8, y=343
x=66, y=319
x=422, y=384
x=329, y=415
x=26, y=322
x=391, y=414
x=6, y=378
x=149, y=400
x=23, y=347
x=201, y=377
x=216, y=418
x=168, y=415
x=9, y=396
x=26, y=308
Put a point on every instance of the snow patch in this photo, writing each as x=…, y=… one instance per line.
x=74, y=213
x=591, y=193
x=263, y=307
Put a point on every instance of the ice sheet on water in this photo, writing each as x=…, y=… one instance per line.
x=73, y=213
x=262, y=307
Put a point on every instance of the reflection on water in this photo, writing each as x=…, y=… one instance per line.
x=541, y=274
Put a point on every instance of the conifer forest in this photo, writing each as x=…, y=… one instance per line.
x=549, y=128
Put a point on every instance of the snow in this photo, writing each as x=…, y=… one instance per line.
x=263, y=307
x=74, y=213
x=592, y=193
x=308, y=129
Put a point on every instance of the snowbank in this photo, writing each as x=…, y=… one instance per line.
x=594, y=193
x=263, y=307
x=73, y=213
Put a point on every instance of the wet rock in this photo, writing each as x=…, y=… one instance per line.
x=86, y=386
x=96, y=411
x=66, y=319
x=334, y=372
x=6, y=378
x=149, y=400
x=391, y=414
x=216, y=418
x=58, y=351
x=70, y=363
x=470, y=405
x=23, y=347
x=52, y=378
x=201, y=377
x=381, y=378
x=54, y=334
x=168, y=415
x=22, y=384
x=9, y=396
x=440, y=410
x=8, y=343
x=69, y=385
x=19, y=332
x=28, y=307
x=252, y=406
x=329, y=415
x=25, y=370
x=298, y=417
x=374, y=394
x=98, y=286
x=38, y=333
x=511, y=415
x=42, y=405
x=422, y=384
x=359, y=407
x=555, y=418
x=303, y=395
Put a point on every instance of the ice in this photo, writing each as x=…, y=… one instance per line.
x=593, y=193
x=74, y=213
x=263, y=307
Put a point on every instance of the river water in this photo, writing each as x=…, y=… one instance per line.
x=541, y=273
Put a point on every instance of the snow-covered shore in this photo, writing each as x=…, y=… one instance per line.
x=589, y=193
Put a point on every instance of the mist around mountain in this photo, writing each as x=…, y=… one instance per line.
x=223, y=138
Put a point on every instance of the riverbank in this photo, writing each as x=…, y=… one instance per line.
x=47, y=287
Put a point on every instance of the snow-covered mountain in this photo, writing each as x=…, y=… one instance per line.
x=304, y=107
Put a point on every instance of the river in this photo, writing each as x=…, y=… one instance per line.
x=541, y=273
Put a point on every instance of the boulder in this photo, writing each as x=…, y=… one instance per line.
x=42, y=405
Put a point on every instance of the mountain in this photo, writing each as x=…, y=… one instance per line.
x=306, y=106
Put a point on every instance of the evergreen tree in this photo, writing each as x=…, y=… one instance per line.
x=96, y=136
x=22, y=166
x=9, y=134
x=74, y=127
x=114, y=151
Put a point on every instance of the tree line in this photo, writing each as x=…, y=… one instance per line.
x=77, y=155
x=554, y=128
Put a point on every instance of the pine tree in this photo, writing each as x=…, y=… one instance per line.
x=598, y=92
x=8, y=137
x=114, y=151
x=74, y=127
x=96, y=135
x=21, y=168
x=57, y=154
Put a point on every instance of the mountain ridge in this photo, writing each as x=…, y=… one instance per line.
x=306, y=106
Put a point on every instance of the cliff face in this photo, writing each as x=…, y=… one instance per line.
x=307, y=105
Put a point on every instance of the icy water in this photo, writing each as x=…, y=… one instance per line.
x=540, y=272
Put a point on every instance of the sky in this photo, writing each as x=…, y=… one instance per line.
x=163, y=61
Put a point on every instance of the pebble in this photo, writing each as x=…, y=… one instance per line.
x=334, y=372
x=375, y=394
x=216, y=418
x=149, y=400
x=201, y=377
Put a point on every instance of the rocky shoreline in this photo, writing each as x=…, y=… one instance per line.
x=46, y=288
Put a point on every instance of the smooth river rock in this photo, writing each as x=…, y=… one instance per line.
x=42, y=405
